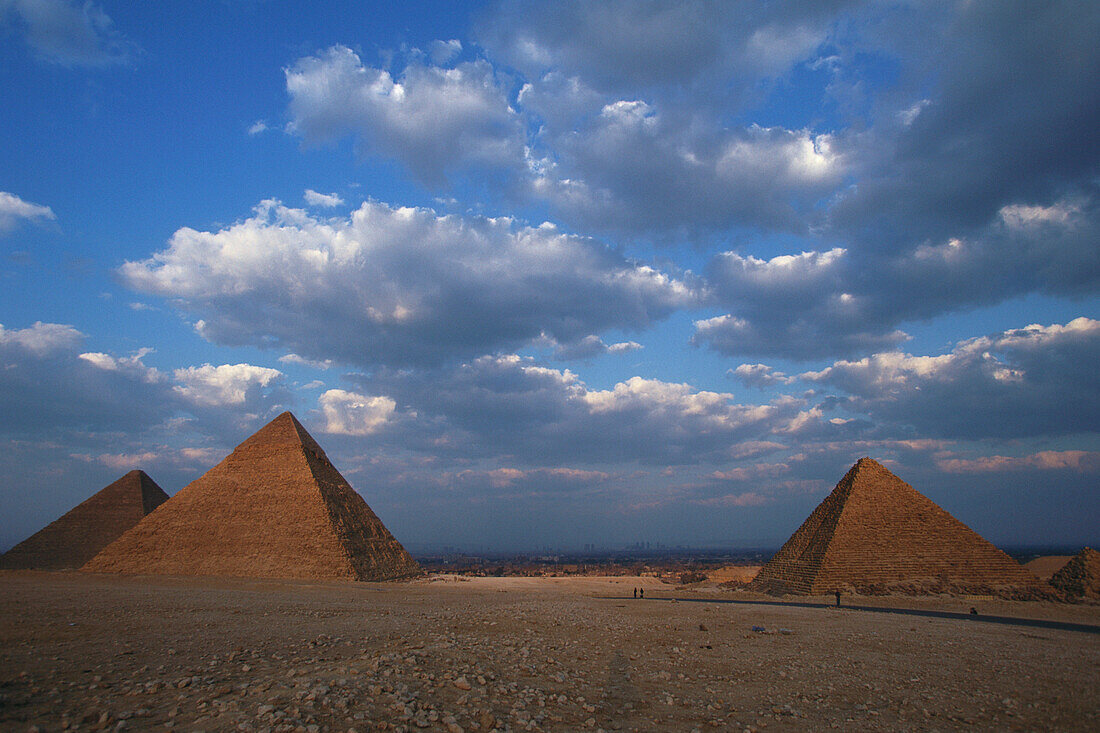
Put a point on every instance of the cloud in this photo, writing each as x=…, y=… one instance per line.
x=430, y=118
x=224, y=385
x=629, y=44
x=592, y=346
x=957, y=164
x=350, y=413
x=14, y=209
x=844, y=302
x=48, y=387
x=41, y=339
x=632, y=168
x=513, y=409
x=443, y=52
x=748, y=498
x=1033, y=381
x=759, y=375
x=258, y=127
x=302, y=361
x=1070, y=460
x=401, y=286
x=324, y=200
x=794, y=306
x=69, y=34
x=131, y=365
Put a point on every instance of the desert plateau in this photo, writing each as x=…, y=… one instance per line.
x=81, y=651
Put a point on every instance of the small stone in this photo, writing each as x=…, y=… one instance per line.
x=461, y=683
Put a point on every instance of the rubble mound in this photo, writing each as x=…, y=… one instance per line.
x=876, y=534
x=74, y=538
x=275, y=507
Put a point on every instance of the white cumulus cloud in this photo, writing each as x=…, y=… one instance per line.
x=350, y=413
x=401, y=285
x=323, y=200
x=14, y=209
x=227, y=384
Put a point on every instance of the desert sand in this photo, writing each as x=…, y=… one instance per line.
x=110, y=652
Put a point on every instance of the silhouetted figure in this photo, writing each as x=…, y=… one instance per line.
x=641, y=592
x=635, y=592
x=973, y=611
x=838, y=599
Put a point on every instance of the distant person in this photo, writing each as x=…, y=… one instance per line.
x=641, y=592
x=837, y=599
x=973, y=611
x=635, y=592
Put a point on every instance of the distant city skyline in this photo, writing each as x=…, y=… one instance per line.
x=558, y=274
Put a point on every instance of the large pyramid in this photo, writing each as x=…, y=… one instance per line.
x=275, y=507
x=75, y=537
x=1080, y=577
x=876, y=533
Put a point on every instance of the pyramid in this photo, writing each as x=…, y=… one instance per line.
x=275, y=507
x=875, y=533
x=75, y=537
x=1080, y=577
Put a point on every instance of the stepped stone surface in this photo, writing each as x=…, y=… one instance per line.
x=276, y=507
x=1080, y=577
x=74, y=538
x=875, y=533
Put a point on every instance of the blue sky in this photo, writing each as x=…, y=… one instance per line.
x=544, y=275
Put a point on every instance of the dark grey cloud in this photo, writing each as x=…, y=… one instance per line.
x=512, y=409
x=631, y=167
x=848, y=302
x=46, y=387
x=628, y=45
x=401, y=286
x=1028, y=382
x=52, y=388
x=1010, y=120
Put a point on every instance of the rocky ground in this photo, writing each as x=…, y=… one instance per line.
x=111, y=653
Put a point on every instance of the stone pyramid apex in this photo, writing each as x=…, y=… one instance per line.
x=875, y=532
x=285, y=431
x=75, y=537
x=275, y=507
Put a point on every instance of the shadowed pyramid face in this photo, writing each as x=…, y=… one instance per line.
x=75, y=538
x=876, y=532
x=275, y=507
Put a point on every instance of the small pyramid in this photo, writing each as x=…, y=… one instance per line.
x=75, y=537
x=275, y=507
x=875, y=533
x=1080, y=577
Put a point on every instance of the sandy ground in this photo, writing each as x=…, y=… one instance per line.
x=562, y=654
